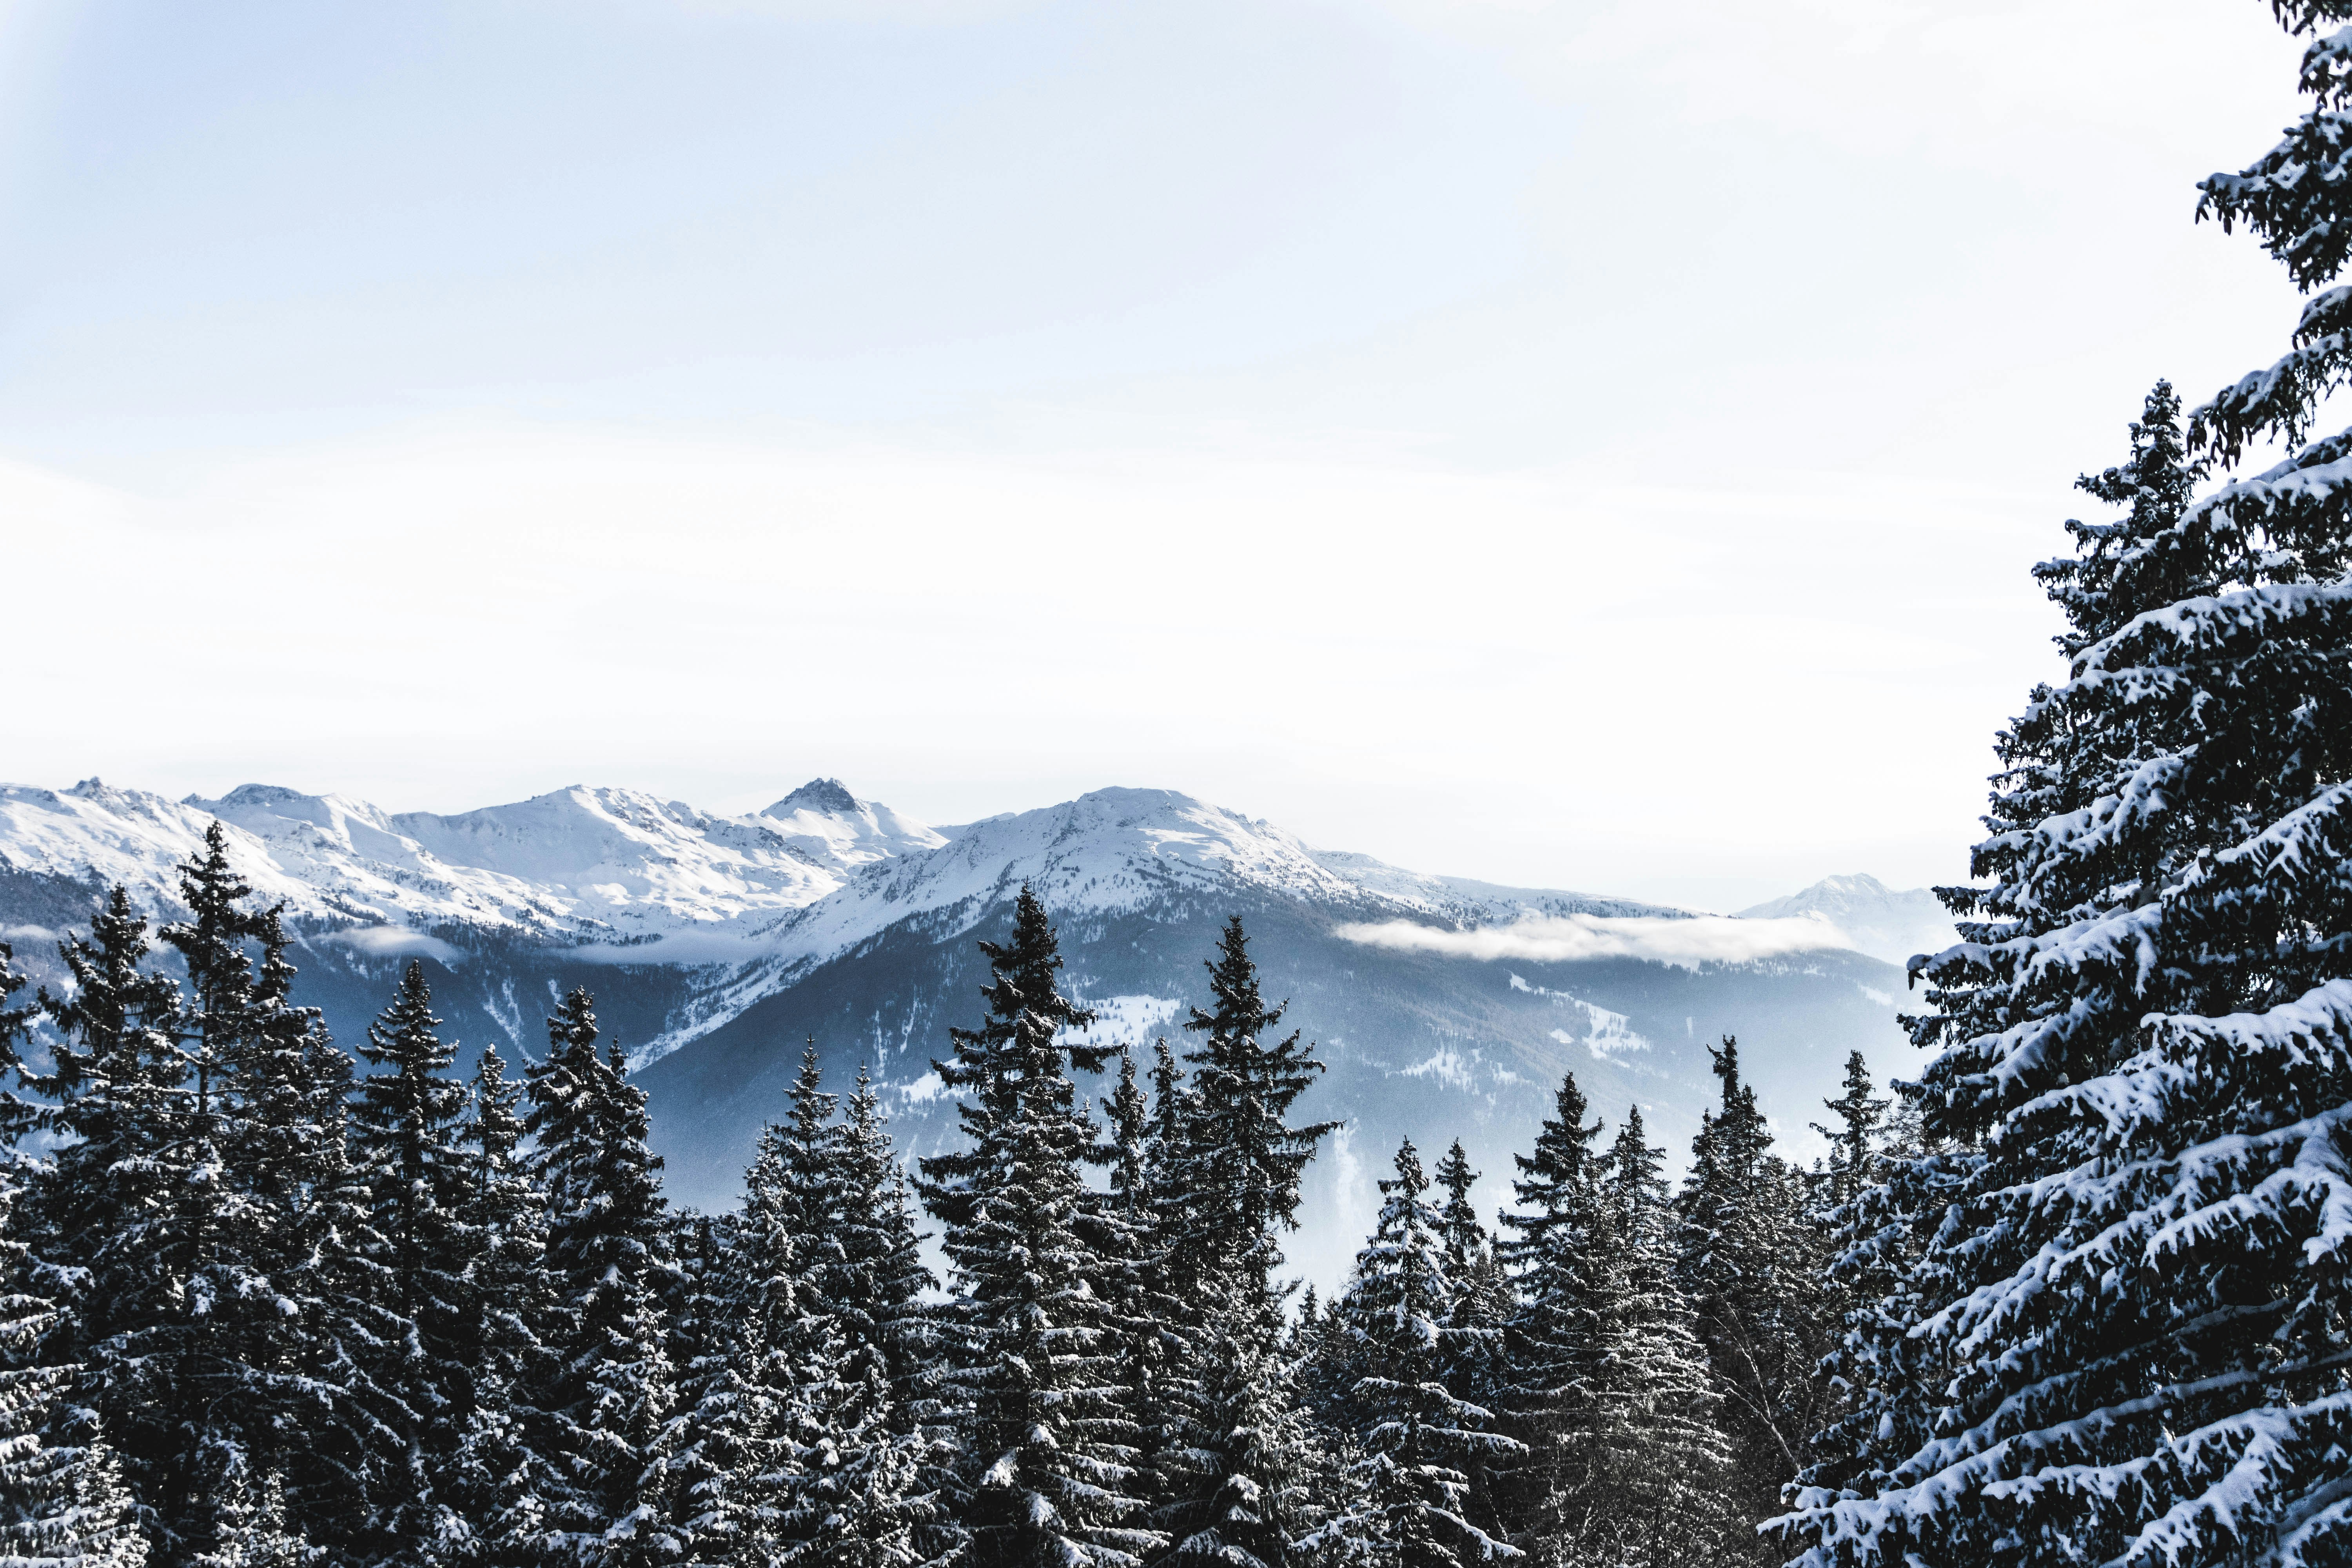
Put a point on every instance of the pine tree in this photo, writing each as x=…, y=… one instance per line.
x=1551, y=1341
x=1151, y=1347
x=252, y=1529
x=1476, y=1370
x=1854, y=1142
x=406, y=1129
x=120, y=1204
x=1420, y=1441
x=863, y=1470
x=878, y=1293
x=63, y=1503
x=726, y=1466
x=1645, y=1487
x=1048, y=1444
x=1889, y=1380
x=326, y=1414
x=2128, y=1296
x=1248, y=1159
x=609, y=1402
x=1234, y=1455
x=1748, y=1260
x=500, y=1494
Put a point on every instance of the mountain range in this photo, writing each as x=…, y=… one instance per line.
x=714, y=944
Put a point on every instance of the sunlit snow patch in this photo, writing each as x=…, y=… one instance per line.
x=922, y=1090
x=1448, y=1066
x=1606, y=1034
x=1123, y=1020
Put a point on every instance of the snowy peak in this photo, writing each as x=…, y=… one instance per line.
x=1117, y=849
x=818, y=794
x=1109, y=850
x=1874, y=918
x=823, y=819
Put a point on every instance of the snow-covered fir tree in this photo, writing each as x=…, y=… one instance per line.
x=496, y=1497
x=408, y=1123
x=724, y=1464
x=340, y=1434
x=606, y=1410
x=63, y=1500
x=878, y=1293
x=1420, y=1441
x=849, y=1469
x=1647, y=1486
x=1887, y=1382
x=1247, y=1157
x=1751, y=1260
x=1236, y=1456
x=1476, y=1368
x=1027, y=1364
x=1552, y=1340
x=2134, y=1286
x=119, y=1202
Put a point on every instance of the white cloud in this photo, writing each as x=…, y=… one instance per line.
x=1547, y=939
x=384, y=942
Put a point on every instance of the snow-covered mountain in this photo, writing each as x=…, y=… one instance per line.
x=714, y=944
x=576, y=864
x=1873, y=917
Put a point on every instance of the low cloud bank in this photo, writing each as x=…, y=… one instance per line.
x=1555, y=939
x=386, y=942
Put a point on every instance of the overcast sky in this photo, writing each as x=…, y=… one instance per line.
x=1589, y=445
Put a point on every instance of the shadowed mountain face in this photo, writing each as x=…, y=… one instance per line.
x=714, y=946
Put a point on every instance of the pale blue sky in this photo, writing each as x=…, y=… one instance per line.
x=1593, y=445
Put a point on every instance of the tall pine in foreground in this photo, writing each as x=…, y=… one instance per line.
x=2138, y=1278
x=1047, y=1437
x=605, y=1411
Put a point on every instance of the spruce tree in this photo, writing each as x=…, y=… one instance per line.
x=1420, y=1440
x=725, y=1466
x=1750, y=1262
x=609, y=1403
x=340, y=1435
x=63, y=1502
x=881, y=1280
x=1236, y=1457
x=406, y=1130
x=1552, y=1343
x=498, y=1497
x=121, y=1202
x=1152, y=1347
x=1247, y=1158
x=2139, y=1038
x=1652, y=1491
x=2133, y=1281
x=1854, y=1150
x=1048, y=1441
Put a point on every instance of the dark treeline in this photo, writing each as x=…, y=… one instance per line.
x=267, y=1305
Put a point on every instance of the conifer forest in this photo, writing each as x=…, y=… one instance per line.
x=2076, y=1287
